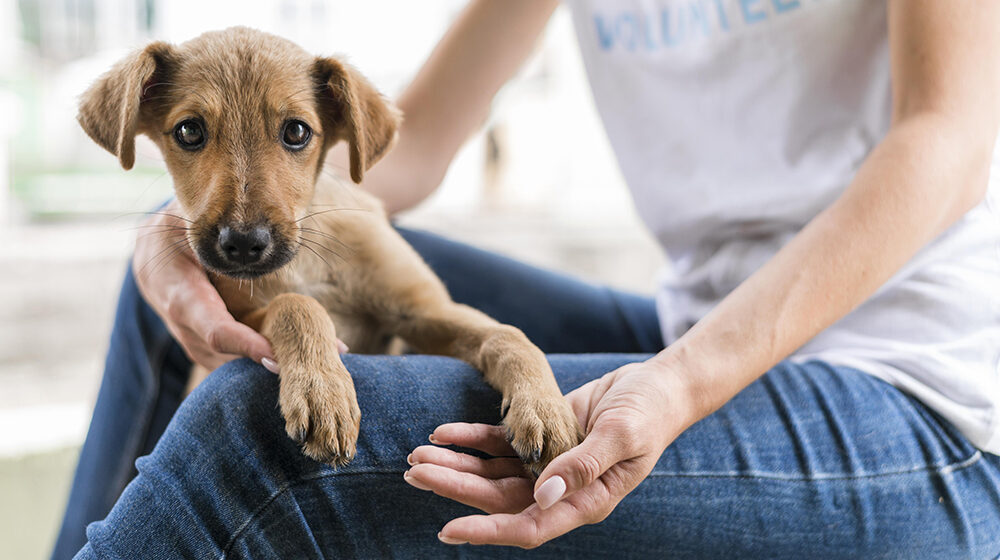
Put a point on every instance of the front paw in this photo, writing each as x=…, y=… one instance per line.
x=540, y=428
x=321, y=413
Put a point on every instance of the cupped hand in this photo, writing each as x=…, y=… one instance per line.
x=630, y=414
x=175, y=285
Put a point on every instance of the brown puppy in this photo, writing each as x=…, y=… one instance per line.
x=244, y=120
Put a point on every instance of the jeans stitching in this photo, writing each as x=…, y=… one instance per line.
x=946, y=469
x=943, y=470
x=284, y=488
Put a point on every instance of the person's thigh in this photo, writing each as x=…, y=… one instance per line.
x=810, y=461
x=146, y=370
x=557, y=312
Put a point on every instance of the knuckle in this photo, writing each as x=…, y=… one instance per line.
x=588, y=468
x=173, y=309
x=534, y=541
x=214, y=339
x=600, y=514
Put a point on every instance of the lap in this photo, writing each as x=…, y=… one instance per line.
x=559, y=313
x=810, y=460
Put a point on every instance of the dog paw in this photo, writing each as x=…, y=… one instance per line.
x=321, y=414
x=540, y=428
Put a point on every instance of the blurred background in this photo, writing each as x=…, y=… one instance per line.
x=538, y=182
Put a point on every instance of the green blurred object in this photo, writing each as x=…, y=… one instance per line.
x=82, y=192
x=34, y=488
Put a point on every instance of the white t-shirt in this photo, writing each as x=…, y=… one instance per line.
x=735, y=122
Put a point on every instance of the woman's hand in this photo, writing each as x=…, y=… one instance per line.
x=630, y=414
x=175, y=285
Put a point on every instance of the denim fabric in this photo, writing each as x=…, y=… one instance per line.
x=809, y=461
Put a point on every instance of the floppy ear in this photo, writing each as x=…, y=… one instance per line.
x=110, y=110
x=356, y=112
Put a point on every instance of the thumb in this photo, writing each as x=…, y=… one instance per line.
x=580, y=466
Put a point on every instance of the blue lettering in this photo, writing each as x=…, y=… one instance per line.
x=781, y=6
x=648, y=33
x=627, y=30
x=723, y=20
x=605, y=36
x=699, y=19
x=669, y=37
x=749, y=15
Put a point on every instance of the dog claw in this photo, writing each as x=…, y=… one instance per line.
x=536, y=455
x=300, y=436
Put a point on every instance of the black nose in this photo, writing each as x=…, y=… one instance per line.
x=244, y=247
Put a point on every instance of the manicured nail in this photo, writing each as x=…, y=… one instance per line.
x=550, y=491
x=448, y=540
x=409, y=459
x=413, y=482
x=342, y=347
x=270, y=365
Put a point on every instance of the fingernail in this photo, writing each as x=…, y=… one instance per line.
x=449, y=540
x=342, y=347
x=270, y=365
x=431, y=439
x=409, y=459
x=550, y=491
x=413, y=482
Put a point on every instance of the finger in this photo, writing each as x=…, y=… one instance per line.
x=204, y=311
x=509, y=495
x=500, y=467
x=482, y=437
x=605, y=446
x=527, y=529
x=231, y=337
x=341, y=347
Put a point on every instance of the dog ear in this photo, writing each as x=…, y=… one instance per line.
x=110, y=110
x=357, y=112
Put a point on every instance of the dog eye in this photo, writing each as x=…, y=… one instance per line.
x=190, y=135
x=295, y=135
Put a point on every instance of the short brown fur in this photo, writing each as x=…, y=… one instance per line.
x=357, y=279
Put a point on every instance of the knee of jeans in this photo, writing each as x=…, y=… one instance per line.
x=237, y=399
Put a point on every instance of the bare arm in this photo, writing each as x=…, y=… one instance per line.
x=451, y=95
x=930, y=169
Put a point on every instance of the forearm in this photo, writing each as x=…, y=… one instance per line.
x=924, y=175
x=451, y=94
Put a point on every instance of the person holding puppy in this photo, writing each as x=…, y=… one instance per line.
x=816, y=377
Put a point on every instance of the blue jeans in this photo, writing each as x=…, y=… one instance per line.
x=809, y=461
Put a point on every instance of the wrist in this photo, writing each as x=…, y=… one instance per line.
x=688, y=401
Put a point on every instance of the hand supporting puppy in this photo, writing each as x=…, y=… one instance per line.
x=631, y=415
x=177, y=288
x=175, y=285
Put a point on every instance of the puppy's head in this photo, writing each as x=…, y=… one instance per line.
x=244, y=120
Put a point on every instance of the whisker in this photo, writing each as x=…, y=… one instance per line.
x=168, y=233
x=324, y=247
x=328, y=236
x=168, y=214
x=167, y=259
x=331, y=210
x=174, y=245
x=142, y=226
x=318, y=256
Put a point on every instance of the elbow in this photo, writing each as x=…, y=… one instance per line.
x=958, y=149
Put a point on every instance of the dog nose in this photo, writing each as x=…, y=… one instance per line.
x=244, y=247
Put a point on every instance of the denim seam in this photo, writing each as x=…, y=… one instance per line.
x=947, y=469
x=943, y=470
x=281, y=490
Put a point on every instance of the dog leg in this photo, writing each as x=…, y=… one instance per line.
x=539, y=420
x=316, y=397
